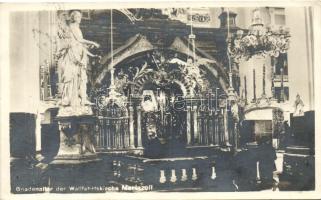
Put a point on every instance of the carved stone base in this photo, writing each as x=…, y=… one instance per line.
x=68, y=111
x=76, y=140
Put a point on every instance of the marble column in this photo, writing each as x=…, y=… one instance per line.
x=195, y=126
x=272, y=77
x=139, y=128
x=47, y=24
x=188, y=126
x=236, y=135
x=131, y=127
x=216, y=130
x=210, y=133
x=126, y=137
x=282, y=86
x=226, y=132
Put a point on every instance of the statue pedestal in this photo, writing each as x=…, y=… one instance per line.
x=76, y=140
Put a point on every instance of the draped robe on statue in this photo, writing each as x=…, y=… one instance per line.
x=73, y=78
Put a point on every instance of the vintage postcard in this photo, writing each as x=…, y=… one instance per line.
x=160, y=100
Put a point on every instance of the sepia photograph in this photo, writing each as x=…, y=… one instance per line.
x=144, y=99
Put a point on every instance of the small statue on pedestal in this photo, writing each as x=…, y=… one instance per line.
x=298, y=106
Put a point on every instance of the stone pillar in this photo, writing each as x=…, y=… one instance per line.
x=188, y=126
x=216, y=130
x=236, y=135
x=131, y=127
x=282, y=86
x=226, y=133
x=139, y=128
x=272, y=77
x=210, y=131
x=195, y=126
x=118, y=134
x=126, y=137
x=254, y=87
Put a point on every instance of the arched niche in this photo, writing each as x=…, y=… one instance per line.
x=169, y=69
x=139, y=46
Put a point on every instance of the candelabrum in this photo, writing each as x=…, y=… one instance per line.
x=259, y=40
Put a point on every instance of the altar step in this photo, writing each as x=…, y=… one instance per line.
x=168, y=152
x=299, y=150
x=298, y=169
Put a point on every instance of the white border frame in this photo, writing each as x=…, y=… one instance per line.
x=4, y=100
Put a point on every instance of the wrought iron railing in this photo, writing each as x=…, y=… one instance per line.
x=112, y=133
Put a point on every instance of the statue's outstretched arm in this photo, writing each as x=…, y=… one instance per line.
x=84, y=41
x=92, y=55
x=80, y=39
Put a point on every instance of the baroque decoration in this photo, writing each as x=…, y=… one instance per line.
x=161, y=70
x=259, y=40
x=167, y=71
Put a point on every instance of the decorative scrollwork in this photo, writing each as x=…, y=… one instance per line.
x=167, y=71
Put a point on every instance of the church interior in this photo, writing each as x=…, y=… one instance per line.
x=182, y=99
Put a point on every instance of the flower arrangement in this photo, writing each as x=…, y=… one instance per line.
x=258, y=42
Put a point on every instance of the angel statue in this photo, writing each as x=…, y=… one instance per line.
x=72, y=66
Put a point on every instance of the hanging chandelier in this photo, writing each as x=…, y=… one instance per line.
x=259, y=40
x=113, y=96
